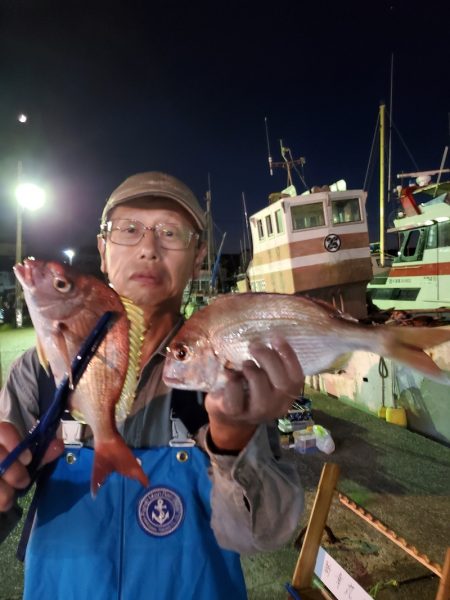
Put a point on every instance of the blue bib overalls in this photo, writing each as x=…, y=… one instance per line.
x=129, y=543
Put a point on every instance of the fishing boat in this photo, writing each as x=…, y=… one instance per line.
x=315, y=243
x=412, y=289
x=419, y=277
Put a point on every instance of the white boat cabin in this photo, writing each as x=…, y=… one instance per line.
x=315, y=244
x=419, y=278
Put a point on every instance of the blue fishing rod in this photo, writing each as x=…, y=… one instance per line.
x=39, y=438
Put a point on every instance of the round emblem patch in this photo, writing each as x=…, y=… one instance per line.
x=160, y=511
x=332, y=242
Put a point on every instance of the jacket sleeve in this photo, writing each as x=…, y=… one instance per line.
x=19, y=406
x=19, y=397
x=257, y=497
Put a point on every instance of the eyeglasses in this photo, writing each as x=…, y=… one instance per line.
x=127, y=232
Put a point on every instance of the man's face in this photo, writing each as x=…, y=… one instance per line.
x=147, y=274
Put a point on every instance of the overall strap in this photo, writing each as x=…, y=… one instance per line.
x=46, y=390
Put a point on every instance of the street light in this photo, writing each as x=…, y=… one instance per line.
x=31, y=197
x=70, y=254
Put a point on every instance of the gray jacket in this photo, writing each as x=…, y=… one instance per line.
x=257, y=497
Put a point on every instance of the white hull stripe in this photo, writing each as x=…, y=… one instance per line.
x=308, y=261
x=306, y=236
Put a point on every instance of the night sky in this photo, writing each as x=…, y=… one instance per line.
x=115, y=88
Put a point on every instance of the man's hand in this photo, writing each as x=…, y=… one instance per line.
x=16, y=477
x=265, y=390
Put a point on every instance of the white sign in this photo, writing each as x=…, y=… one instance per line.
x=337, y=580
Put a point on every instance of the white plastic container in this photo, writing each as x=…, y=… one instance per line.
x=304, y=441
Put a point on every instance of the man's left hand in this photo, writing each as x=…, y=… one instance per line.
x=263, y=391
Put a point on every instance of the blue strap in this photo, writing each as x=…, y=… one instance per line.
x=293, y=592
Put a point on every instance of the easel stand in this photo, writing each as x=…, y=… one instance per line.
x=302, y=579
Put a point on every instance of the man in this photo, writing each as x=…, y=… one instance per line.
x=230, y=493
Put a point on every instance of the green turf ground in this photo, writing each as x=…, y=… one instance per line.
x=12, y=343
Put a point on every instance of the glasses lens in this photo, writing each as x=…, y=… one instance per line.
x=172, y=236
x=125, y=231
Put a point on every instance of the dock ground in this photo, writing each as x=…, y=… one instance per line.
x=400, y=477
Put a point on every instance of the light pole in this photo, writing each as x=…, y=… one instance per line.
x=70, y=254
x=32, y=197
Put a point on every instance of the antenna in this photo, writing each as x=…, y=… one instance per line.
x=247, y=227
x=289, y=163
x=269, y=156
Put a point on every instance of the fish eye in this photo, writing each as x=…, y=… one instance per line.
x=62, y=285
x=181, y=351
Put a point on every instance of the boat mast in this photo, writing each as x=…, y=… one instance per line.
x=382, y=113
x=284, y=151
x=389, y=189
x=209, y=233
x=288, y=160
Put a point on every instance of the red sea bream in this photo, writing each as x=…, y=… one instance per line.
x=65, y=306
x=217, y=337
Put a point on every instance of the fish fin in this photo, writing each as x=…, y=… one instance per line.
x=421, y=337
x=42, y=357
x=406, y=344
x=60, y=342
x=419, y=360
x=114, y=455
x=136, y=334
x=78, y=416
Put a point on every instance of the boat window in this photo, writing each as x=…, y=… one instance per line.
x=346, y=211
x=432, y=239
x=260, y=229
x=305, y=216
x=444, y=234
x=269, y=225
x=412, y=246
x=279, y=221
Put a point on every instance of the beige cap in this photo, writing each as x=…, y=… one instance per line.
x=158, y=185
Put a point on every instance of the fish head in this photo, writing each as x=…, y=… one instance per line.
x=191, y=363
x=53, y=292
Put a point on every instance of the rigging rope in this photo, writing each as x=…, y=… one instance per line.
x=405, y=146
x=369, y=164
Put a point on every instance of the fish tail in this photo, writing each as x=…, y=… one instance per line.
x=114, y=455
x=422, y=337
x=406, y=345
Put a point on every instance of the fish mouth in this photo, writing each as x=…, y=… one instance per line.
x=24, y=272
x=175, y=382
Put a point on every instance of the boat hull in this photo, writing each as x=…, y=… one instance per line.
x=370, y=385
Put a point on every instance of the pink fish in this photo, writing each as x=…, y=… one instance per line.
x=216, y=338
x=64, y=306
